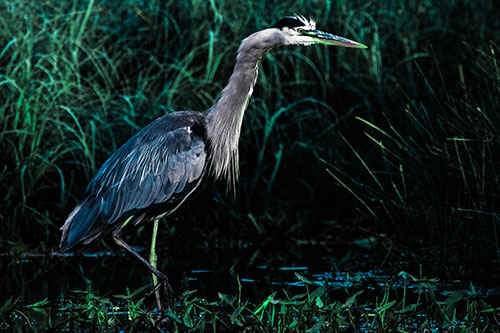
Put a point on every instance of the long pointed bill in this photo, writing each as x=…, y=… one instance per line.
x=329, y=39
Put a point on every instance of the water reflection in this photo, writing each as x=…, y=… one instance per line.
x=35, y=277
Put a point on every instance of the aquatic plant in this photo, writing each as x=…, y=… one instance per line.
x=415, y=306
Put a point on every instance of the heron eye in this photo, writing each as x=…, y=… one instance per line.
x=300, y=30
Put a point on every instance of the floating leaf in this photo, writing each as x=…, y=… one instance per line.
x=318, y=292
x=408, y=308
x=303, y=278
x=385, y=306
x=319, y=303
x=350, y=301
x=455, y=297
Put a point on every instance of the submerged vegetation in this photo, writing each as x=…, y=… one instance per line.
x=394, y=148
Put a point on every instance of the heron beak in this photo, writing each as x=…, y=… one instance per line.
x=329, y=39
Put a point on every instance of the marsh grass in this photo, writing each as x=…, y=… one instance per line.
x=308, y=308
x=432, y=168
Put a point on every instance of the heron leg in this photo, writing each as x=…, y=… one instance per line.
x=119, y=240
x=153, y=259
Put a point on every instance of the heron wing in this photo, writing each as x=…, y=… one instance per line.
x=162, y=163
x=152, y=169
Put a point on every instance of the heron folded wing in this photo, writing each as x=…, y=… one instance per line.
x=149, y=170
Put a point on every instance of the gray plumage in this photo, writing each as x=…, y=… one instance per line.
x=158, y=168
x=153, y=171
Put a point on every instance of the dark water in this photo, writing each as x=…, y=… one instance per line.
x=59, y=277
x=34, y=277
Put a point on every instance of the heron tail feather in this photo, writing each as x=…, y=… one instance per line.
x=78, y=224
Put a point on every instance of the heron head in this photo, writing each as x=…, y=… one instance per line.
x=297, y=30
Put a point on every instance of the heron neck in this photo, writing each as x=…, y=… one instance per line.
x=224, y=119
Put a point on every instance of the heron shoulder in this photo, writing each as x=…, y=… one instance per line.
x=191, y=120
x=166, y=138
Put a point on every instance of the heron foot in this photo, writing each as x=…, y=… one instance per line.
x=162, y=277
x=167, y=290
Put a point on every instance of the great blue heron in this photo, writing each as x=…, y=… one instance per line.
x=159, y=167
